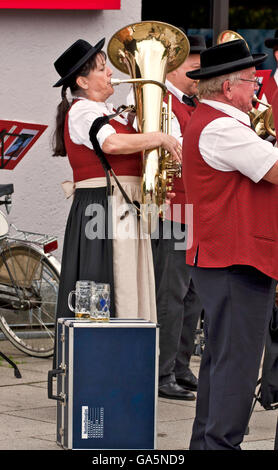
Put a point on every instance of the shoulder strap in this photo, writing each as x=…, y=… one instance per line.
x=96, y=126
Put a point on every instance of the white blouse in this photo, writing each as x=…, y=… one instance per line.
x=83, y=114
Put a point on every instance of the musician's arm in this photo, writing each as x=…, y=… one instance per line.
x=272, y=175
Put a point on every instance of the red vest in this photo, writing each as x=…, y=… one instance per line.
x=270, y=89
x=235, y=221
x=183, y=113
x=86, y=164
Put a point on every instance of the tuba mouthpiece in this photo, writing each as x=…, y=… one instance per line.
x=115, y=81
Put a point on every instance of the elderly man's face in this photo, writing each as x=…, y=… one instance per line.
x=179, y=79
x=242, y=91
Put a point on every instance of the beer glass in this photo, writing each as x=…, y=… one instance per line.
x=100, y=302
x=82, y=294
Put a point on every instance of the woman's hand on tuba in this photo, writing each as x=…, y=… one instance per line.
x=172, y=145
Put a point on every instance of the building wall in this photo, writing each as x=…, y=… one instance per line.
x=30, y=41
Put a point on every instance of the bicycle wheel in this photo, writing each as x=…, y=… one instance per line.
x=29, y=283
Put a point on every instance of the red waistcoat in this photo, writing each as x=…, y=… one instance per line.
x=235, y=221
x=86, y=164
x=270, y=89
x=183, y=113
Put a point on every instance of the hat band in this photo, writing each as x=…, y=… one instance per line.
x=227, y=65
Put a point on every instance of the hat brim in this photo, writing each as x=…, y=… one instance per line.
x=271, y=42
x=229, y=67
x=196, y=49
x=94, y=50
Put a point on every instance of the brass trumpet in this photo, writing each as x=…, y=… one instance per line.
x=263, y=121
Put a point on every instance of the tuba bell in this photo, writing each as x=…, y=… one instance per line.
x=262, y=121
x=147, y=51
x=229, y=35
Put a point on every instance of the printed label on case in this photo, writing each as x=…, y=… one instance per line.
x=92, y=422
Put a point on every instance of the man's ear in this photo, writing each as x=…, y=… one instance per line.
x=82, y=82
x=226, y=87
x=171, y=75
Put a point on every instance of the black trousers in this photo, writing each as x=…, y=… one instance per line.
x=238, y=303
x=178, y=305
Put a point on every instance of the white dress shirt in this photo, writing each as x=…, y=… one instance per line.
x=176, y=130
x=81, y=117
x=229, y=144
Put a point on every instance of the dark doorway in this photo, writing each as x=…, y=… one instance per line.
x=179, y=14
x=254, y=20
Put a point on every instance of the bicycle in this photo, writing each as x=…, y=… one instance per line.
x=29, y=281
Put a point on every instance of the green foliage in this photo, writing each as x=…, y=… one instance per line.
x=261, y=18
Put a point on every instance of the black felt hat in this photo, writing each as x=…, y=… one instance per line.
x=197, y=43
x=226, y=58
x=271, y=42
x=74, y=57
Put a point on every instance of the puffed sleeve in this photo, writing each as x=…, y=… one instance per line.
x=81, y=117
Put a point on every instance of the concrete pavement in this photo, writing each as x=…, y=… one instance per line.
x=28, y=417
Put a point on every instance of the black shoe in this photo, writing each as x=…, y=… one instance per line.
x=188, y=381
x=174, y=392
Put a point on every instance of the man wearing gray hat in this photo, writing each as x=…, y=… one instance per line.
x=231, y=179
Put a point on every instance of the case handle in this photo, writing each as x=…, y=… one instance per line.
x=52, y=373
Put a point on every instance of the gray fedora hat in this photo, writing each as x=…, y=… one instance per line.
x=197, y=43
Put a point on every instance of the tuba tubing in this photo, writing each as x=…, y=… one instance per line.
x=138, y=81
x=147, y=51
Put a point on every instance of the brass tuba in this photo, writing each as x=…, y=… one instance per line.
x=147, y=51
x=262, y=121
x=229, y=35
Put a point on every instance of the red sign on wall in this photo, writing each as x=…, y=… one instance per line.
x=62, y=4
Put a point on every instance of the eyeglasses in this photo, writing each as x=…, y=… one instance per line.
x=256, y=80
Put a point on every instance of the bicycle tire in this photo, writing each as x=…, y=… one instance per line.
x=28, y=301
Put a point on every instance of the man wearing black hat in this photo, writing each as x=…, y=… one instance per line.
x=231, y=178
x=272, y=83
x=178, y=305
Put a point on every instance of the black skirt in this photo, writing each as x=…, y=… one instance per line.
x=87, y=250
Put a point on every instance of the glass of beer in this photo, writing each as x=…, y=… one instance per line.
x=82, y=295
x=100, y=302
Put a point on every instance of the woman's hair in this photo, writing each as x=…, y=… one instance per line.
x=209, y=87
x=59, y=148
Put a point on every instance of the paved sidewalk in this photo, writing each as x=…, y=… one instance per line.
x=28, y=417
